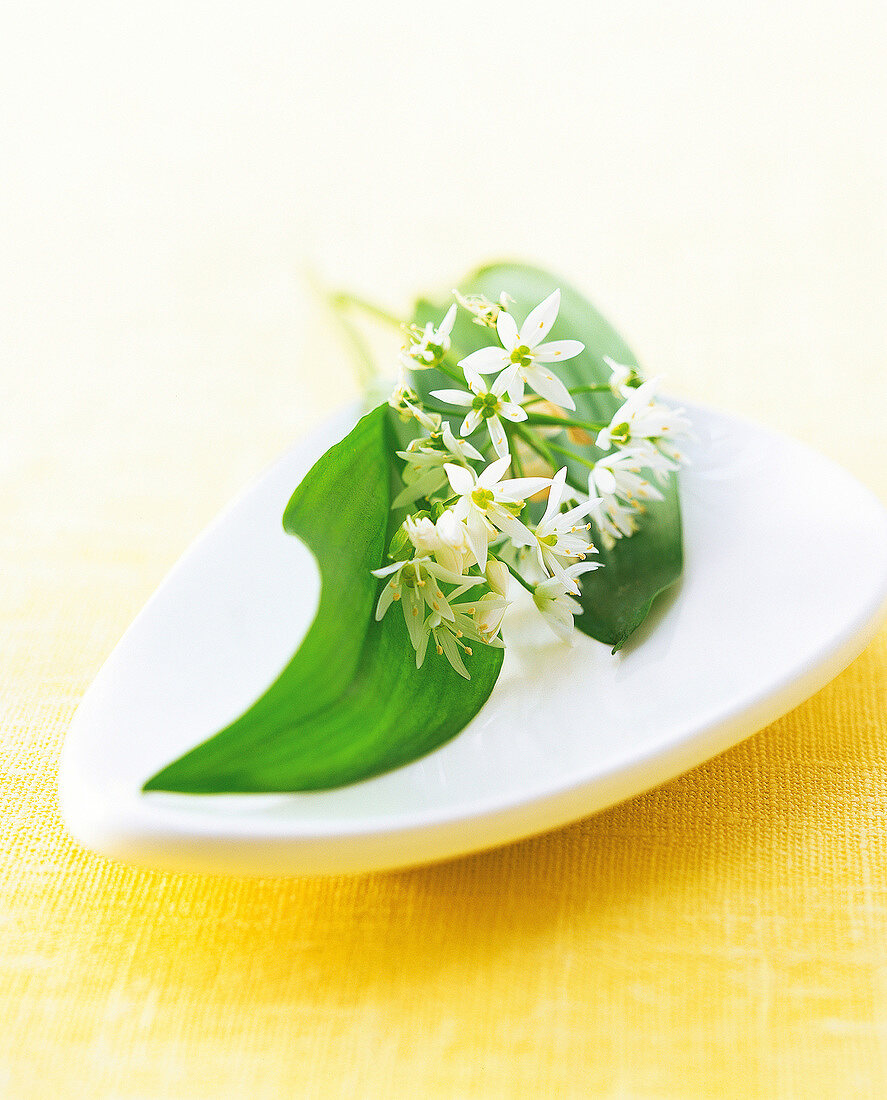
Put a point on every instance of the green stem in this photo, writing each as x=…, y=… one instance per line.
x=431, y=407
x=535, y=399
x=596, y=388
x=571, y=454
x=450, y=372
x=539, y=446
x=366, y=367
x=544, y=449
x=340, y=299
x=515, y=457
x=518, y=577
x=563, y=422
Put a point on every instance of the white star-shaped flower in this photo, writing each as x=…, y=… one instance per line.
x=489, y=611
x=618, y=481
x=446, y=540
x=406, y=403
x=618, y=475
x=644, y=422
x=485, y=312
x=449, y=637
x=487, y=504
x=552, y=598
x=522, y=357
x=484, y=407
x=622, y=377
x=416, y=583
x=429, y=345
x=425, y=459
x=560, y=537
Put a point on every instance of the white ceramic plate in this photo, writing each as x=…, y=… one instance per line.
x=785, y=580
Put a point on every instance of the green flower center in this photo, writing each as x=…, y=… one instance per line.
x=522, y=356
x=487, y=404
x=549, y=540
x=483, y=498
x=621, y=433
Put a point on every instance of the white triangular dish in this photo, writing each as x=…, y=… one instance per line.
x=784, y=583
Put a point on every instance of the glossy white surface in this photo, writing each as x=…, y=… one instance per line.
x=784, y=583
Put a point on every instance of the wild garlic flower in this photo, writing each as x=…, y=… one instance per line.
x=489, y=611
x=416, y=584
x=614, y=521
x=560, y=538
x=557, y=606
x=425, y=458
x=488, y=505
x=619, y=476
x=521, y=355
x=484, y=407
x=485, y=312
x=407, y=404
x=644, y=422
x=446, y=540
x=449, y=637
x=617, y=481
x=428, y=346
x=622, y=377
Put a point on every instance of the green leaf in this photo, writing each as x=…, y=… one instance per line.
x=617, y=598
x=351, y=703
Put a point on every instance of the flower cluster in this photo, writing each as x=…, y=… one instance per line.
x=471, y=529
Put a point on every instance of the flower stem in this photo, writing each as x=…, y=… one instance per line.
x=564, y=422
x=538, y=445
x=597, y=388
x=545, y=450
x=519, y=578
x=571, y=454
x=367, y=372
x=515, y=457
x=341, y=299
x=450, y=372
x=535, y=399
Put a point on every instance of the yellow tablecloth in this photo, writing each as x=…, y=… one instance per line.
x=715, y=181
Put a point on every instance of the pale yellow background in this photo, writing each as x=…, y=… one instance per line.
x=713, y=176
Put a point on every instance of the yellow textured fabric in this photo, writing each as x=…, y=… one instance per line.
x=716, y=184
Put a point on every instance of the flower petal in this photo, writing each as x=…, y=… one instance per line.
x=498, y=436
x=478, y=537
x=471, y=423
x=519, y=488
x=459, y=447
x=548, y=385
x=412, y=615
x=539, y=320
x=485, y=361
x=385, y=600
x=556, y=350
x=506, y=327
x=512, y=412
x=446, y=325
x=422, y=647
x=493, y=473
x=387, y=570
x=516, y=388
x=451, y=652
x=516, y=531
x=554, y=495
x=454, y=397
x=461, y=480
